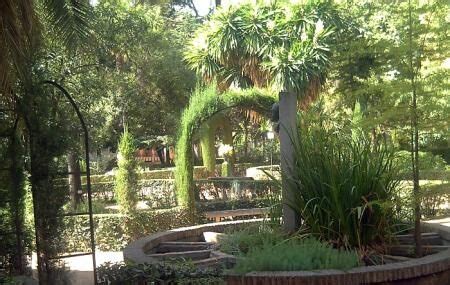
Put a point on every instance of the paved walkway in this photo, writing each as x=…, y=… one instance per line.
x=81, y=266
x=443, y=222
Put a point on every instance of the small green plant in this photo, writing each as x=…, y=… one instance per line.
x=252, y=237
x=294, y=255
x=126, y=186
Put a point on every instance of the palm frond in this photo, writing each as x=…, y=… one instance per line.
x=70, y=18
x=17, y=25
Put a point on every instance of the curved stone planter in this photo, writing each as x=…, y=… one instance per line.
x=430, y=270
x=144, y=250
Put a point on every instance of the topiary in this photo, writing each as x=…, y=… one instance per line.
x=126, y=185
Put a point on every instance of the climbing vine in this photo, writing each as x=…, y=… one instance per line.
x=203, y=107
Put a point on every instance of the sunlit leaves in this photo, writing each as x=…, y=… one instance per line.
x=251, y=40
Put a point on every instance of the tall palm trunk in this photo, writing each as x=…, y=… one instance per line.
x=17, y=194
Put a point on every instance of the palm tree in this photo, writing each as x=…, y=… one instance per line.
x=20, y=33
x=243, y=44
x=285, y=47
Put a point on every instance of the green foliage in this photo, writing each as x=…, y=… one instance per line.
x=233, y=204
x=208, y=145
x=166, y=273
x=433, y=196
x=15, y=227
x=126, y=185
x=295, y=255
x=260, y=44
x=428, y=161
x=373, y=67
x=111, y=233
x=343, y=189
x=252, y=238
x=226, y=170
x=204, y=104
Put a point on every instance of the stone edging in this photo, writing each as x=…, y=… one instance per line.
x=137, y=251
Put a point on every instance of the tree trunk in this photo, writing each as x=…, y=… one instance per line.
x=288, y=133
x=414, y=142
x=73, y=166
x=17, y=194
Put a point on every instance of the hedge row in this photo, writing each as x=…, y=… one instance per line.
x=168, y=173
x=112, y=231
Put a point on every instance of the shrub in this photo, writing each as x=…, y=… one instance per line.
x=428, y=161
x=432, y=196
x=254, y=237
x=343, y=188
x=157, y=273
x=294, y=255
x=110, y=229
x=126, y=177
x=234, y=204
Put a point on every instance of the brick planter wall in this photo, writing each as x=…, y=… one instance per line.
x=429, y=270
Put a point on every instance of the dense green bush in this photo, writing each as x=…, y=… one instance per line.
x=126, y=185
x=110, y=228
x=427, y=161
x=343, y=188
x=433, y=196
x=157, y=273
x=295, y=255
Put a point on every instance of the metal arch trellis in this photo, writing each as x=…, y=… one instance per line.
x=88, y=178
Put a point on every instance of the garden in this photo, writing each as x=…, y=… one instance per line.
x=234, y=142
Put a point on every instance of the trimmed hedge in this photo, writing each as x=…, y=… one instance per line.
x=158, y=273
x=167, y=173
x=109, y=228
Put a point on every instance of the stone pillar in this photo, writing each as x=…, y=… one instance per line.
x=288, y=133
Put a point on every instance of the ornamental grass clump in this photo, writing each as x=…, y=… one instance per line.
x=343, y=188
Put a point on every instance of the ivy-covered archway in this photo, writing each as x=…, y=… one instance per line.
x=203, y=106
